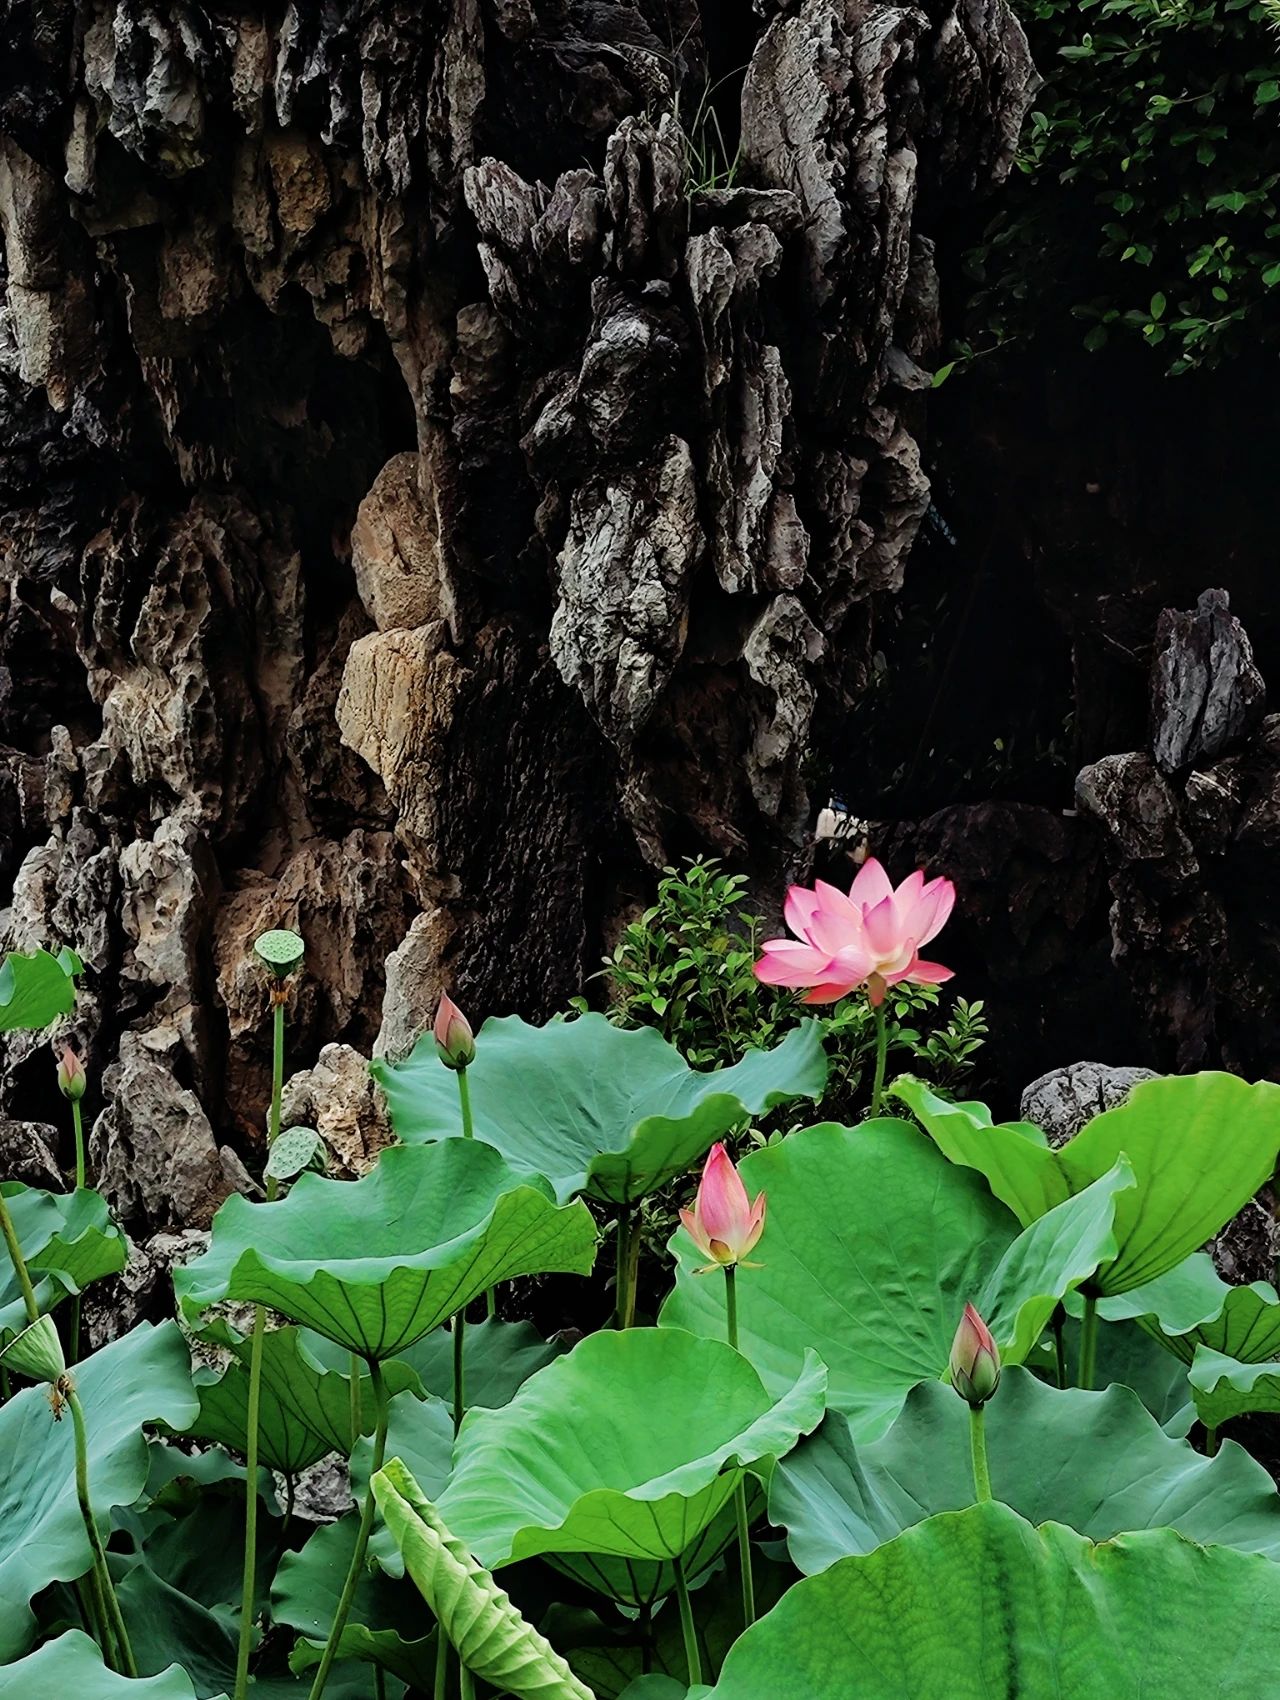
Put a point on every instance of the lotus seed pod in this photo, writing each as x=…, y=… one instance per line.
x=282, y=951
x=36, y=1352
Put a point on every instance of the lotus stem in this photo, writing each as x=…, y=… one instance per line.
x=249, y=1584
x=978, y=1452
x=623, y=1308
x=357, y=1415
x=77, y=1125
x=113, y=1617
x=1089, y=1342
x=1211, y=1441
x=356, y=1567
x=882, y=1054
x=78, y=1128
x=1059, y=1347
x=19, y=1262
x=693, y=1658
x=459, y=1347
x=248, y=1590
x=279, y=997
x=442, y=1663
x=466, y=1684
x=740, y=1492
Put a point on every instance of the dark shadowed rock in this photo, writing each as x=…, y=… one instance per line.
x=1206, y=692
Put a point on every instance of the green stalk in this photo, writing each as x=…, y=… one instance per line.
x=1059, y=1347
x=459, y=1345
x=248, y=1585
x=78, y=1126
x=357, y=1415
x=442, y=1663
x=18, y=1261
x=622, y=1297
x=112, y=1616
x=693, y=1658
x=1211, y=1442
x=464, y=1093
x=356, y=1567
x=978, y=1451
x=740, y=1492
x=466, y=1683
x=882, y=1053
x=248, y=1588
x=1089, y=1342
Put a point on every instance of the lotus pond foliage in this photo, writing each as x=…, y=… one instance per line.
x=643, y=1375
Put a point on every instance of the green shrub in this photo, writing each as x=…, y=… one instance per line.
x=1144, y=202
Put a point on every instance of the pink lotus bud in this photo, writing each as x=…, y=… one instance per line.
x=455, y=1042
x=723, y=1224
x=72, y=1078
x=975, y=1359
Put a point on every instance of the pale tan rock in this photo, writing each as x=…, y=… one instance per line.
x=395, y=551
x=417, y=973
x=339, y=1100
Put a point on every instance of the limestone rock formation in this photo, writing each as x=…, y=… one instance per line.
x=432, y=484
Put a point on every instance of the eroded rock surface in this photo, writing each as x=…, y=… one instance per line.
x=422, y=494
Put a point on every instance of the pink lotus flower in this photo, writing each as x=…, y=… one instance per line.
x=723, y=1224
x=975, y=1359
x=72, y=1078
x=870, y=937
x=455, y=1042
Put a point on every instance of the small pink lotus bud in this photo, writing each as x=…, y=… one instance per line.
x=724, y=1224
x=455, y=1042
x=975, y=1359
x=72, y=1078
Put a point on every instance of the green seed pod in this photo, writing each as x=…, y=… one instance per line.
x=281, y=951
x=36, y=1352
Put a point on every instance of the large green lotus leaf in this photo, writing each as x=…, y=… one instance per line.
x=595, y=1107
x=68, y=1239
x=71, y=1668
x=628, y=1448
x=35, y=990
x=167, y=1626
x=388, y=1625
x=1015, y=1157
x=491, y=1636
x=375, y=1264
x=976, y=1604
x=144, y=1377
x=498, y=1358
x=1223, y=1388
x=1200, y=1144
x=1097, y=1462
x=874, y=1243
x=1127, y=1356
x=1192, y=1306
x=304, y=1412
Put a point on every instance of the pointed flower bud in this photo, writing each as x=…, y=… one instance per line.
x=975, y=1359
x=72, y=1078
x=36, y=1353
x=455, y=1042
x=724, y=1224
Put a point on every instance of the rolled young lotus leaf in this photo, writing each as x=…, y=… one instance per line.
x=492, y=1638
